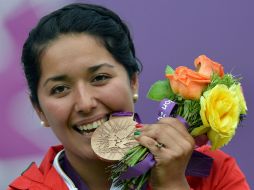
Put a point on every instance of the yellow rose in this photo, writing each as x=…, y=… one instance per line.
x=220, y=115
x=237, y=89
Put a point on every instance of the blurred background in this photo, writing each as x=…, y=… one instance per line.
x=165, y=32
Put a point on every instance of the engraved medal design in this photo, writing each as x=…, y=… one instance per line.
x=114, y=138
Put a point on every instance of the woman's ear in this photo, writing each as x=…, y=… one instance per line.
x=134, y=86
x=134, y=83
x=40, y=113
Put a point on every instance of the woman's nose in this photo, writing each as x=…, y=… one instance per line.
x=84, y=100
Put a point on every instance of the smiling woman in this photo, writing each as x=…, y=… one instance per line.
x=80, y=85
x=81, y=67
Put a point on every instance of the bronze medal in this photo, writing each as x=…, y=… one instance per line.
x=114, y=138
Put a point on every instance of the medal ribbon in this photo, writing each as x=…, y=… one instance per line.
x=199, y=164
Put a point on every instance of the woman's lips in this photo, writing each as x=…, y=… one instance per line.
x=90, y=127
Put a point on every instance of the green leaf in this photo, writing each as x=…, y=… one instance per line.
x=169, y=70
x=160, y=90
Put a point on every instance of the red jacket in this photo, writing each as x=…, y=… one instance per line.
x=225, y=174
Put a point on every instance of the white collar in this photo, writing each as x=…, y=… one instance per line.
x=66, y=179
x=63, y=175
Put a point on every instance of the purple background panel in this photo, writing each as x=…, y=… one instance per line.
x=165, y=33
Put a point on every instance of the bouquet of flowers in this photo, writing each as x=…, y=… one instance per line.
x=210, y=102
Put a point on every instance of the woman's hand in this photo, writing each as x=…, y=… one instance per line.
x=172, y=146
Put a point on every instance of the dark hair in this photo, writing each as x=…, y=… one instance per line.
x=94, y=20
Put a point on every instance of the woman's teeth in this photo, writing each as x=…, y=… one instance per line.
x=89, y=127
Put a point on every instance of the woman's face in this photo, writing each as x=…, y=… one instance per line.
x=80, y=84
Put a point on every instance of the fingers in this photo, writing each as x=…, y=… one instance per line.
x=165, y=128
x=175, y=123
x=175, y=139
x=172, y=145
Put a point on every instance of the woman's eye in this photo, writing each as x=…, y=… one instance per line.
x=59, y=89
x=100, y=78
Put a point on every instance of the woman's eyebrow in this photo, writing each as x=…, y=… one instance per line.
x=55, y=78
x=93, y=69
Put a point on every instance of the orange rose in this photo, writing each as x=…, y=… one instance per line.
x=188, y=83
x=207, y=67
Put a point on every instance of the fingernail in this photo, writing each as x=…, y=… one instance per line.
x=137, y=133
x=138, y=125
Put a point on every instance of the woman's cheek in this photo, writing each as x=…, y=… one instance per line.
x=118, y=97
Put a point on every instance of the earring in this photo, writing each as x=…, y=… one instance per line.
x=42, y=123
x=135, y=97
